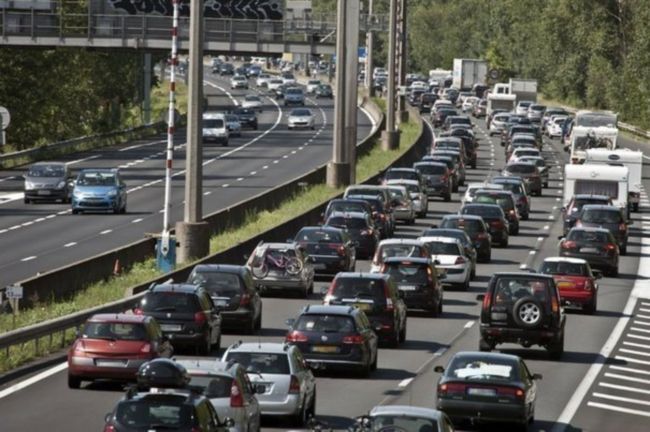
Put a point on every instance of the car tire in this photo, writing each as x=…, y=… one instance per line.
x=528, y=313
x=300, y=418
x=484, y=346
x=402, y=333
x=204, y=348
x=373, y=365
x=311, y=412
x=591, y=307
x=447, y=197
x=472, y=275
x=613, y=271
x=504, y=242
x=75, y=211
x=624, y=250
x=123, y=210
x=556, y=349
x=515, y=231
x=258, y=322
x=74, y=382
x=525, y=216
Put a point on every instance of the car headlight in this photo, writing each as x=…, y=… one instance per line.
x=29, y=185
x=112, y=193
x=61, y=185
x=77, y=193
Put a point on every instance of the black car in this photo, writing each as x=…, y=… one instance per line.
x=571, y=211
x=438, y=116
x=382, y=215
x=494, y=217
x=330, y=249
x=460, y=235
x=361, y=229
x=377, y=295
x=186, y=314
x=173, y=404
x=456, y=119
x=476, y=229
x=522, y=308
x=519, y=189
x=451, y=165
x=487, y=388
x=437, y=177
x=469, y=142
x=226, y=69
x=426, y=102
x=417, y=279
x=609, y=217
x=504, y=199
x=597, y=246
x=335, y=337
x=324, y=91
x=459, y=164
x=247, y=117
x=233, y=292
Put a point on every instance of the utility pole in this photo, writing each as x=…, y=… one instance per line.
x=193, y=234
x=146, y=102
x=338, y=170
x=390, y=136
x=370, y=42
x=401, y=47
x=351, y=83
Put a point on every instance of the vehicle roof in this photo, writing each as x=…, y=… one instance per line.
x=175, y=287
x=565, y=259
x=405, y=411
x=278, y=245
x=47, y=164
x=204, y=365
x=463, y=216
x=430, y=163
x=265, y=347
x=329, y=309
x=484, y=185
x=404, y=241
x=401, y=169
x=123, y=318
x=398, y=182
x=440, y=239
x=101, y=170
x=221, y=268
x=321, y=228
x=358, y=198
x=494, y=192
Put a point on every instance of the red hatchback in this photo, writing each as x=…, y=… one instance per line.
x=575, y=280
x=114, y=346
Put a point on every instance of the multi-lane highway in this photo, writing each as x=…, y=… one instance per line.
x=405, y=374
x=40, y=237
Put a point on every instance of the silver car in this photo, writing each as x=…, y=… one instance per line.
x=301, y=118
x=229, y=389
x=448, y=254
x=48, y=181
x=403, y=208
x=403, y=418
x=282, y=266
x=419, y=197
x=284, y=383
x=498, y=123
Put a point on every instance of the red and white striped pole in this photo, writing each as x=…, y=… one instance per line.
x=170, y=122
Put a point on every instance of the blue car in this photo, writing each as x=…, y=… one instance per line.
x=99, y=190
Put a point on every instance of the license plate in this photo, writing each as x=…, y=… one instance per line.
x=324, y=349
x=481, y=391
x=363, y=306
x=319, y=266
x=565, y=285
x=170, y=327
x=221, y=303
x=499, y=316
x=110, y=363
x=589, y=250
x=408, y=287
x=44, y=192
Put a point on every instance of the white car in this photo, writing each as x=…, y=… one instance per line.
x=448, y=254
x=473, y=187
x=262, y=80
x=301, y=118
x=418, y=196
x=468, y=103
x=419, y=85
x=312, y=85
x=554, y=126
x=395, y=247
x=522, y=108
x=238, y=81
x=215, y=128
x=520, y=152
x=403, y=208
x=288, y=78
x=253, y=102
x=498, y=123
x=274, y=83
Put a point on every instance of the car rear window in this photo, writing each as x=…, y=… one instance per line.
x=167, y=412
x=443, y=248
x=398, y=175
x=588, y=236
x=214, y=386
x=509, y=289
x=408, y=273
x=114, y=331
x=359, y=287
x=170, y=302
x=515, y=188
x=564, y=268
x=319, y=236
x=325, y=323
x=601, y=216
x=470, y=226
x=486, y=211
x=266, y=363
x=521, y=168
x=579, y=203
x=217, y=283
x=400, y=250
x=503, y=201
x=432, y=169
x=476, y=368
x=350, y=223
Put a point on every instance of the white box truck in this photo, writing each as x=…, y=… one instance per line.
x=597, y=179
x=524, y=89
x=468, y=72
x=631, y=159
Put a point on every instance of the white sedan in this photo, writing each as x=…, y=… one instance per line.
x=447, y=253
x=252, y=102
x=238, y=81
x=262, y=80
x=554, y=126
x=301, y=118
x=312, y=85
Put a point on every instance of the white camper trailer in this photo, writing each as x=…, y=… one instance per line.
x=597, y=179
x=631, y=159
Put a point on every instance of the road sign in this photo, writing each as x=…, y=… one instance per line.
x=14, y=292
x=6, y=118
x=494, y=74
x=363, y=52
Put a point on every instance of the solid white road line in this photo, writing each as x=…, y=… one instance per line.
x=632, y=360
x=106, y=231
x=83, y=160
x=405, y=382
x=29, y=258
x=33, y=380
x=67, y=245
x=629, y=369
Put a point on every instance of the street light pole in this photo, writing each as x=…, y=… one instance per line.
x=193, y=233
x=403, y=40
x=390, y=136
x=370, y=42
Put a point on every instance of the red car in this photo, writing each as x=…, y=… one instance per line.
x=575, y=280
x=113, y=346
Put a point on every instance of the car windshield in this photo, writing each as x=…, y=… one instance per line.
x=46, y=171
x=400, y=250
x=388, y=423
x=300, y=113
x=214, y=386
x=601, y=216
x=252, y=98
x=475, y=368
x=470, y=226
x=259, y=362
x=319, y=236
x=483, y=210
x=588, y=236
x=217, y=283
x=169, y=302
x=564, y=268
x=324, y=323
x=595, y=119
x=521, y=168
x=443, y=248
x=399, y=175
x=213, y=123
x=509, y=289
x=350, y=223
x=408, y=273
x=96, y=179
x=431, y=169
x=164, y=413
x=114, y=331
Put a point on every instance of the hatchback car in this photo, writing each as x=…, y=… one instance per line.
x=571, y=211
x=536, y=112
x=247, y=117
x=519, y=189
x=418, y=280
x=397, y=247
x=449, y=161
x=608, y=217
x=554, y=126
x=324, y=91
x=301, y=118
x=312, y=85
x=229, y=389
x=186, y=314
x=262, y=80
x=522, y=308
x=528, y=172
x=284, y=384
x=335, y=337
x=505, y=200
x=282, y=266
x=214, y=128
x=494, y=218
x=114, y=346
x=239, y=82
x=331, y=250
x=402, y=174
x=294, y=96
x=253, y=102
x=459, y=164
x=597, y=246
x=378, y=297
x=437, y=178
x=401, y=202
x=416, y=193
x=448, y=254
x=476, y=229
x=541, y=166
x=466, y=242
x=361, y=229
x=233, y=293
x=575, y=280
x=487, y=388
x=439, y=115
x=233, y=124
x=48, y=181
x=498, y=123
x=99, y=190
x=472, y=188
x=403, y=418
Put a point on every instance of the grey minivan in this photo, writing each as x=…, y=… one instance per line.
x=48, y=181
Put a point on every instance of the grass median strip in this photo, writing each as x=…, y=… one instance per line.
x=114, y=288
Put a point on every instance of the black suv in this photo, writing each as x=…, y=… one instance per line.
x=247, y=117
x=233, y=292
x=377, y=295
x=186, y=314
x=522, y=308
x=418, y=281
x=174, y=404
x=335, y=336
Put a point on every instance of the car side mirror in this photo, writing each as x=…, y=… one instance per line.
x=537, y=376
x=290, y=322
x=439, y=369
x=480, y=297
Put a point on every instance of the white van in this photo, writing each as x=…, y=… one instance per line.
x=611, y=181
x=632, y=159
x=214, y=128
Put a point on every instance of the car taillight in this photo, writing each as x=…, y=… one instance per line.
x=236, y=397
x=512, y=212
x=353, y=339
x=367, y=232
x=610, y=246
x=341, y=250
x=487, y=302
x=200, y=318
x=294, y=385
x=511, y=391
x=496, y=224
x=555, y=306
x=460, y=260
x=296, y=336
x=568, y=244
x=138, y=311
x=451, y=388
x=245, y=300
x=389, y=302
x=109, y=428
x=589, y=285
x=482, y=236
x=578, y=223
x=622, y=227
x=145, y=349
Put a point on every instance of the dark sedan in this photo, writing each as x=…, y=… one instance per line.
x=437, y=177
x=571, y=211
x=597, y=246
x=608, y=217
x=494, y=217
x=504, y=199
x=361, y=229
x=331, y=250
x=418, y=281
x=519, y=189
x=247, y=117
x=476, y=229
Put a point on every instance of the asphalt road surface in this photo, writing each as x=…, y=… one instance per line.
x=404, y=375
x=44, y=236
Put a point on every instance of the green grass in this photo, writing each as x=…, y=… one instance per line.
x=117, y=287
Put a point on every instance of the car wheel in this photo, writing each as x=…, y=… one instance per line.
x=373, y=365
x=27, y=201
x=485, y=346
x=74, y=382
x=504, y=242
x=590, y=308
x=258, y=322
x=556, y=349
x=528, y=312
x=75, y=211
x=624, y=250
x=613, y=271
x=300, y=418
x=205, y=347
x=525, y=216
x=447, y=197
x=123, y=210
x=311, y=412
x=402, y=333
x=473, y=273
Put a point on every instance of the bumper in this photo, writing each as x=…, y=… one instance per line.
x=249, y=124
x=214, y=138
x=46, y=194
x=184, y=339
x=90, y=368
x=299, y=125
x=235, y=318
x=99, y=204
x=419, y=300
x=293, y=102
x=456, y=274
x=276, y=406
x=329, y=265
x=482, y=411
x=403, y=214
x=577, y=298
x=498, y=236
x=438, y=190
x=540, y=337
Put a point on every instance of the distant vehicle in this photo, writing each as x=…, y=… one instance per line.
x=233, y=124
x=597, y=179
x=263, y=80
x=215, y=128
x=418, y=281
x=99, y=189
x=519, y=188
x=571, y=211
x=504, y=199
x=361, y=229
x=494, y=217
x=288, y=78
x=312, y=85
x=239, y=82
x=575, y=280
x=247, y=117
x=528, y=172
x=330, y=249
x=402, y=418
x=437, y=178
x=226, y=69
x=608, y=217
x=597, y=246
x=294, y=96
x=631, y=159
x=274, y=83
x=448, y=255
x=252, y=102
x=324, y=90
x=45, y=181
x=476, y=229
x=397, y=247
x=301, y=118
x=282, y=266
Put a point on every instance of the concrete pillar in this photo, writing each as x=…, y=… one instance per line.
x=351, y=83
x=193, y=241
x=401, y=48
x=146, y=102
x=390, y=136
x=370, y=42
